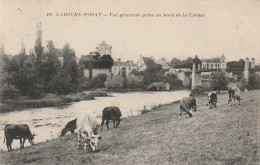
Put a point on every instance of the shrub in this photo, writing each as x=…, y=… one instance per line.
x=9, y=92
x=198, y=91
x=134, y=81
x=116, y=82
x=99, y=81
x=254, y=81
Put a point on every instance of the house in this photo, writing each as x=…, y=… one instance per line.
x=184, y=74
x=218, y=63
x=96, y=71
x=143, y=62
x=162, y=61
x=120, y=67
x=104, y=49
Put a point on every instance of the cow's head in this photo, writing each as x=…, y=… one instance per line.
x=63, y=132
x=93, y=141
x=31, y=138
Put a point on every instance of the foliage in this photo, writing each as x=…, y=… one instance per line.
x=116, y=82
x=199, y=90
x=254, y=81
x=8, y=92
x=106, y=61
x=219, y=81
x=236, y=67
x=134, y=81
x=99, y=81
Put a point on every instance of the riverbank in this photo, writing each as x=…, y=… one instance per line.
x=223, y=135
x=48, y=101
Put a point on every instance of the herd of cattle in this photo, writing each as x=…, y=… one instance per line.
x=87, y=124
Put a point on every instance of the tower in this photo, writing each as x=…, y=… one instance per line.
x=104, y=49
x=246, y=70
x=196, y=76
x=252, y=63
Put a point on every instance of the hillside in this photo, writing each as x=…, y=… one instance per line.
x=222, y=135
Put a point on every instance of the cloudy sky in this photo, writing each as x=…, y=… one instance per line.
x=231, y=27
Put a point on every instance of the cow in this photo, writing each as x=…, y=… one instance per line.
x=87, y=126
x=111, y=113
x=17, y=131
x=70, y=127
x=212, y=99
x=234, y=93
x=187, y=105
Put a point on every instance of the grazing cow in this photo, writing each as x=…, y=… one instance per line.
x=111, y=113
x=234, y=93
x=212, y=99
x=17, y=131
x=70, y=127
x=87, y=130
x=187, y=105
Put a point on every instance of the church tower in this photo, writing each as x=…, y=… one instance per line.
x=104, y=49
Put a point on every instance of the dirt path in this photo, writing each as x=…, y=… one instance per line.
x=223, y=135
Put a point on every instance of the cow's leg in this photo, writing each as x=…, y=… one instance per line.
x=118, y=122
x=78, y=147
x=24, y=141
x=239, y=101
x=21, y=143
x=102, y=123
x=8, y=144
x=114, y=123
x=107, y=123
x=180, y=113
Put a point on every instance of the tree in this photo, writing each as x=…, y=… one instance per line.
x=254, y=81
x=219, y=81
x=99, y=81
x=114, y=83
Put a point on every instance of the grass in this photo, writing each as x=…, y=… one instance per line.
x=223, y=135
x=48, y=101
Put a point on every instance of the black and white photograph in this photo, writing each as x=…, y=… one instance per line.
x=144, y=82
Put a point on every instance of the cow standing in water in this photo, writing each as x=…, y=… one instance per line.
x=111, y=113
x=234, y=94
x=212, y=99
x=187, y=105
x=17, y=131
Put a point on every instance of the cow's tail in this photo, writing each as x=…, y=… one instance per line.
x=4, y=139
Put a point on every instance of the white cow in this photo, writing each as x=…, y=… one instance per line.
x=87, y=130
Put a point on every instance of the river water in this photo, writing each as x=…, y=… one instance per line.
x=47, y=123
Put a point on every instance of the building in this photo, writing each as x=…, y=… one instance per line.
x=143, y=62
x=218, y=63
x=104, y=49
x=96, y=71
x=162, y=61
x=120, y=67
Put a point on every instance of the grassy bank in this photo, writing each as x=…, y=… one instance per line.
x=48, y=101
x=223, y=135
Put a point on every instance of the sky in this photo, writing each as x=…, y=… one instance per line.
x=229, y=27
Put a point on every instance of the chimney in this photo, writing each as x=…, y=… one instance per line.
x=253, y=63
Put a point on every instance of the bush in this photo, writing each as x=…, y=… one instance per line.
x=99, y=81
x=116, y=82
x=198, y=91
x=254, y=81
x=134, y=81
x=9, y=92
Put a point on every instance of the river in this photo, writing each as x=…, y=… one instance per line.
x=47, y=123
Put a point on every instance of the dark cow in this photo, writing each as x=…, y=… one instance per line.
x=234, y=93
x=111, y=113
x=70, y=127
x=17, y=131
x=212, y=99
x=187, y=105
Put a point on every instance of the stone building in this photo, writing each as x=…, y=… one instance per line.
x=143, y=62
x=120, y=67
x=218, y=63
x=104, y=49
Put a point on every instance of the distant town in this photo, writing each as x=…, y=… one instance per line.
x=58, y=70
